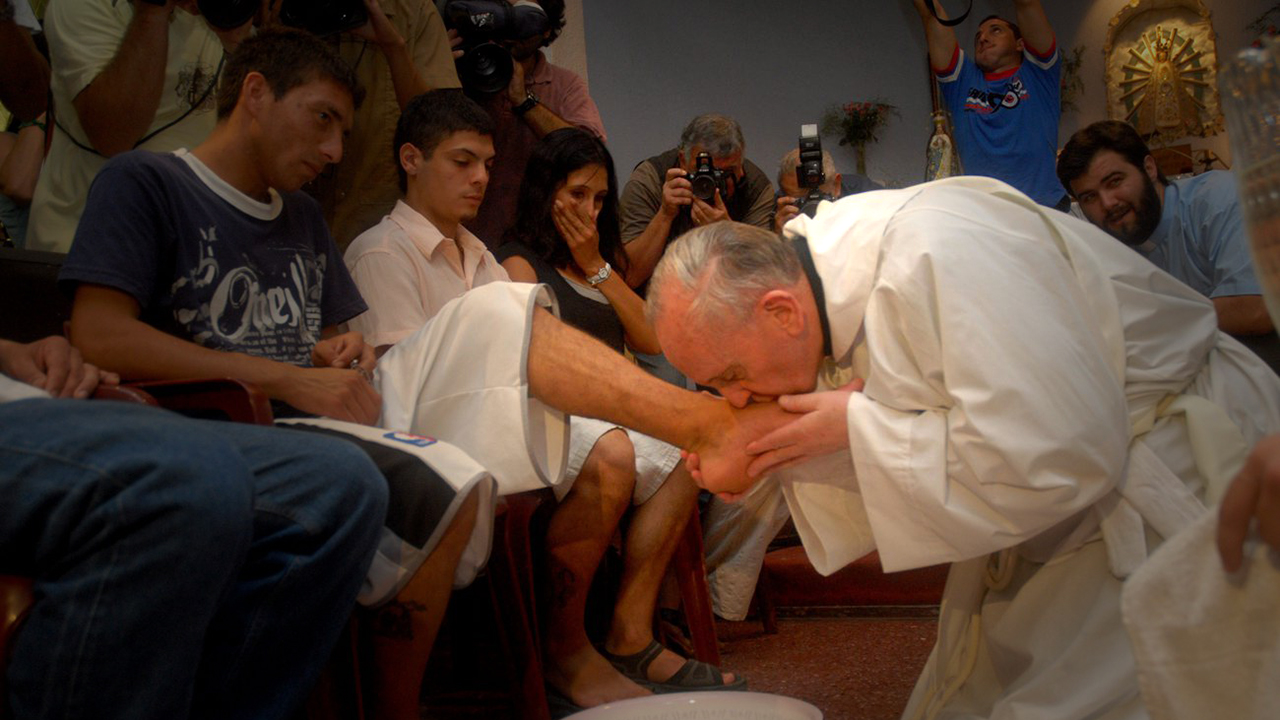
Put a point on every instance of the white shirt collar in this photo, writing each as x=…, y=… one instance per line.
x=223, y=189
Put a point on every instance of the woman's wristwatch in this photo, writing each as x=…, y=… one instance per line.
x=601, y=275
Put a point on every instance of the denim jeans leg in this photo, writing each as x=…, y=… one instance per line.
x=178, y=564
x=133, y=525
x=319, y=506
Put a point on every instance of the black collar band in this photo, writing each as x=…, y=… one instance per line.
x=801, y=246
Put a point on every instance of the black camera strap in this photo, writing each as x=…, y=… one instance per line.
x=952, y=22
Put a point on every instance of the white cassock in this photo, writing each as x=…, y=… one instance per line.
x=1042, y=405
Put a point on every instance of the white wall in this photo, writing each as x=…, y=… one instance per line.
x=774, y=65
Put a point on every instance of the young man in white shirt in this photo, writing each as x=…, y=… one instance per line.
x=407, y=268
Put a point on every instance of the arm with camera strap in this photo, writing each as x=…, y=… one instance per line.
x=939, y=36
x=118, y=106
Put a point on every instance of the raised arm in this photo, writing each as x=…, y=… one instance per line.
x=941, y=39
x=646, y=217
x=409, y=69
x=118, y=106
x=116, y=109
x=1037, y=35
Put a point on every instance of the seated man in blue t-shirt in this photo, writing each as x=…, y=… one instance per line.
x=1005, y=100
x=1190, y=228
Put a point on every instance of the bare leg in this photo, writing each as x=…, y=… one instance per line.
x=405, y=629
x=581, y=376
x=578, y=534
x=651, y=540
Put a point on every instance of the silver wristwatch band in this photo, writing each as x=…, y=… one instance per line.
x=601, y=275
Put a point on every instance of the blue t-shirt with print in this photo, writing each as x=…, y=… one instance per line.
x=1200, y=239
x=1006, y=124
x=208, y=263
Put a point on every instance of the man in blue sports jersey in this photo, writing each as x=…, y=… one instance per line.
x=1004, y=100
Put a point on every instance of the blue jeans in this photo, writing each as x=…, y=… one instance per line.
x=182, y=568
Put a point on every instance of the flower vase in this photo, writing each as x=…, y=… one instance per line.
x=860, y=152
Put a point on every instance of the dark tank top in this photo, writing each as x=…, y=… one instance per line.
x=597, y=319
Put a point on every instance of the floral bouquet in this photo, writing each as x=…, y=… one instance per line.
x=856, y=124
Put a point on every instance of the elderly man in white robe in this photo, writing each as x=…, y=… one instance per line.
x=1040, y=409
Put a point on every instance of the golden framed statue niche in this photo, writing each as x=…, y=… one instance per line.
x=1162, y=69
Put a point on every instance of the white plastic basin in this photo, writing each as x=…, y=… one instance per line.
x=704, y=706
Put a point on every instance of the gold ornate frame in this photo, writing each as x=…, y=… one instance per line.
x=1162, y=69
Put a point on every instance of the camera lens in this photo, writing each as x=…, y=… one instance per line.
x=704, y=188
x=486, y=68
x=228, y=14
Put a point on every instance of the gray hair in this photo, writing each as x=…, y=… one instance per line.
x=727, y=265
x=717, y=134
x=790, y=161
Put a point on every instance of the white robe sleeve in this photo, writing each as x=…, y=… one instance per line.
x=990, y=412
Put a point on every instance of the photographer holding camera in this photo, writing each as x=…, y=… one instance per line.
x=537, y=98
x=807, y=175
x=667, y=195
x=125, y=75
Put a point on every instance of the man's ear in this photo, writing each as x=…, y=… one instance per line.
x=1151, y=169
x=255, y=91
x=411, y=159
x=781, y=308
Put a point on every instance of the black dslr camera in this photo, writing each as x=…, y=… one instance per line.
x=319, y=17
x=485, y=65
x=706, y=178
x=809, y=174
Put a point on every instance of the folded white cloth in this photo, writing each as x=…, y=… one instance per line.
x=1207, y=644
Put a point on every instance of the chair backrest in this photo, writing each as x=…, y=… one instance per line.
x=15, y=600
x=31, y=307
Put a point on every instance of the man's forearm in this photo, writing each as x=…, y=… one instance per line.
x=116, y=109
x=405, y=78
x=579, y=375
x=21, y=167
x=1242, y=315
x=1037, y=33
x=138, y=351
x=646, y=250
x=542, y=120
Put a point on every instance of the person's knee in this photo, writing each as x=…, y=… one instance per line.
x=199, y=485
x=613, y=458
x=498, y=307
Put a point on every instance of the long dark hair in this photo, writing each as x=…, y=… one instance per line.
x=554, y=158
